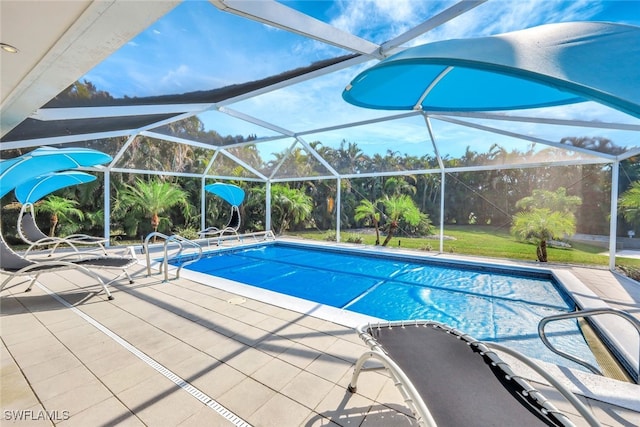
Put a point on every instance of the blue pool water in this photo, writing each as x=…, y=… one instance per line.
x=488, y=303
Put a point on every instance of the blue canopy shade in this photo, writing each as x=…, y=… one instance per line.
x=548, y=65
x=16, y=171
x=228, y=192
x=36, y=188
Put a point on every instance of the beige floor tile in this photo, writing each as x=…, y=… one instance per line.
x=329, y=367
x=69, y=324
x=279, y=411
x=197, y=364
x=307, y=389
x=8, y=366
x=346, y=350
x=10, y=306
x=299, y=355
x=128, y=376
x=272, y=324
x=206, y=417
x=389, y=395
x=343, y=407
x=276, y=374
x=30, y=353
x=23, y=332
x=319, y=341
x=78, y=399
x=57, y=315
x=106, y=347
x=173, y=354
x=317, y=420
x=51, y=367
x=159, y=402
x=249, y=360
x=108, y=412
x=370, y=383
x=217, y=381
x=246, y=397
x=15, y=393
x=110, y=362
x=63, y=382
x=253, y=317
x=217, y=345
x=295, y=332
x=274, y=345
x=83, y=338
x=249, y=335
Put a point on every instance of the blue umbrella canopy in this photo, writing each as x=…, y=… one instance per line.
x=36, y=188
x=228, y=192
x=543, y=66
x=43, y=160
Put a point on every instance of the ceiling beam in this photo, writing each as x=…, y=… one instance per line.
x=280, y=16
x=72, y=38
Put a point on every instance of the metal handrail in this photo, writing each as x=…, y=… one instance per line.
x=267, y=234
x=256, y=235
x=584, y=314
x=164, y=265
x=145, y=248
x=181, y=242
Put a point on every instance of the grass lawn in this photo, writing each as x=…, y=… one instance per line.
x=487, y=242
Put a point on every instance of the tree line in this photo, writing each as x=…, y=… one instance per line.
x=480, y=197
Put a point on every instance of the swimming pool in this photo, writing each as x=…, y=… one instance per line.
x=489, y=303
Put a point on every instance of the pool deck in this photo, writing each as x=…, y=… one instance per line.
x=180, y=353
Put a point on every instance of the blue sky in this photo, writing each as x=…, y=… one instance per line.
x=198, y=47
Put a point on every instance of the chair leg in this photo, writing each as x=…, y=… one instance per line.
x=104, y=286
x=33, y=280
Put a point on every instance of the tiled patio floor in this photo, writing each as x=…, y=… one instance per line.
x=182, y=354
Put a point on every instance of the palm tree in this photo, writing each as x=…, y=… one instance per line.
x=540, y=225
x=292, y=206
x=396, y=186
x=400, y=207
x=629, y=203
x=553, y=200
x=367, y=210
x=546, y=215
x=151, y=199
x=60, y=209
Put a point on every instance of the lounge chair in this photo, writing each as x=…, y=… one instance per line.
x=233, y=195
x=31, y=234
x=450, y=379
x=15, y=265
x=232, y=226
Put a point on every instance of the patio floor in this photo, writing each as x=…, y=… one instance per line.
x=183, y=354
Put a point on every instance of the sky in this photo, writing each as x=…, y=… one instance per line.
x=198, y=47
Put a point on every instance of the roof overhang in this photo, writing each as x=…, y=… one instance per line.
x=60, y=41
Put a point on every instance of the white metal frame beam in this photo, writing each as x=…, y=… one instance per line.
x=280, y=16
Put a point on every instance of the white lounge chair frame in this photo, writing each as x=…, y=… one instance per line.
x=15, y=265
x=232, y=226
x=31, y=234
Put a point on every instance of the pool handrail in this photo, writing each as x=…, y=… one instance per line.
x=585, y=314
x=164, y=265
x=266, y=235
